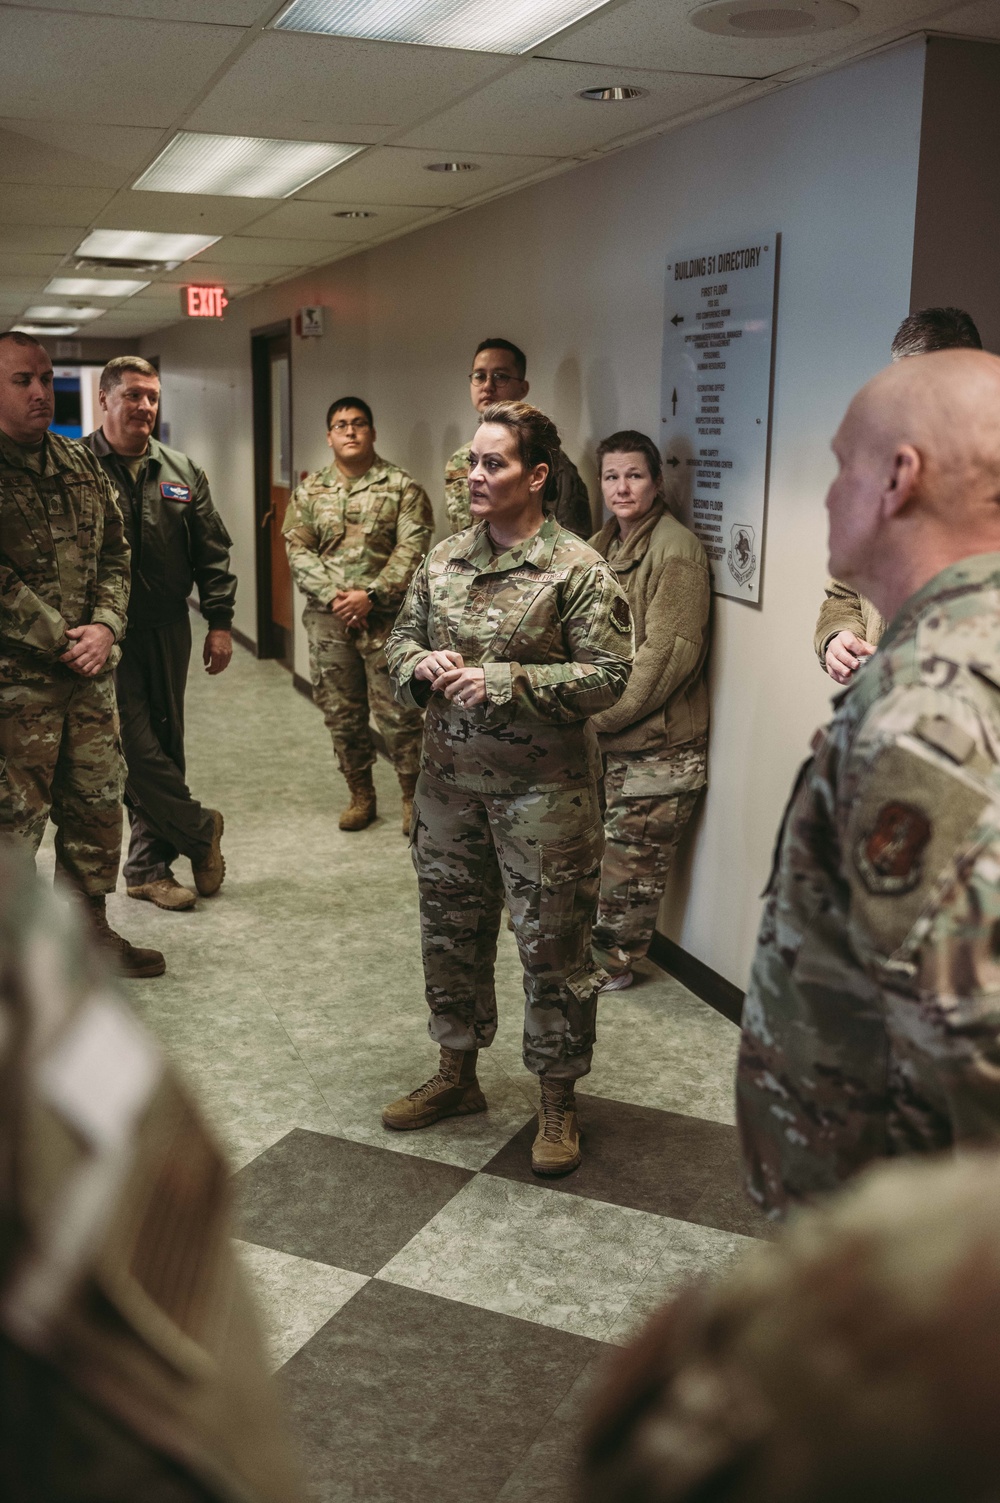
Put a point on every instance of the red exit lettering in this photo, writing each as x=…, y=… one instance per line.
x=204, y=302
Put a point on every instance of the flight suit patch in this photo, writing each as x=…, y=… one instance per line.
x=171, y=490
x=889, y=854
x=621, y=616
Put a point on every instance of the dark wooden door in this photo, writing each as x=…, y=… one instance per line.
x=272, y=417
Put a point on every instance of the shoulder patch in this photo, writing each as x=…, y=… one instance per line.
x=621, y=616
x=889, y=853
x=172, y=490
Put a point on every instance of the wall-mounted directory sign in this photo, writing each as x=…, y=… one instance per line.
x=204, y=302
x=718, y=356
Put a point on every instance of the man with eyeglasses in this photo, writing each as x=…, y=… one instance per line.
x=498, y=372
x=355, y=533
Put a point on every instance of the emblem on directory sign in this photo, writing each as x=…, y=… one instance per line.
x=741, y=558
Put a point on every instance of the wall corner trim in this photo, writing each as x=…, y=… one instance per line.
x=697, y=977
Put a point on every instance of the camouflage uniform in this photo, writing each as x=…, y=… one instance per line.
x=655, y=739
x=347, y=535
x=852, y=1361
x=507, y=805
x=64, y=562
x=872, y=1020
x=571, y=507
x=131, y=1365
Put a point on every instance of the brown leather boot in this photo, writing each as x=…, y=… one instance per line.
x=361, y=810
x=408, y=784
x=130, y=960
x=453, y=1092
x=210, y=870
x=556, y=1149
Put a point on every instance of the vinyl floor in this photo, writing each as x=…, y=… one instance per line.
x=435, y=1313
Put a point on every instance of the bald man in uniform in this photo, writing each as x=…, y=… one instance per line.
x=872, y=1020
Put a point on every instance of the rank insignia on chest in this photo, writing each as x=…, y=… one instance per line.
x=889, y=854
x=171, y=490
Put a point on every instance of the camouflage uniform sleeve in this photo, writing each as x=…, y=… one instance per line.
x=572, y=505
x=676, y=624
x=301, y=539
x=408, y=643
x=114, y=578
x=841, y=611
x=414, y=526
x=25, y=620
x=456, y=492
x=922, y=858
x=597, y=630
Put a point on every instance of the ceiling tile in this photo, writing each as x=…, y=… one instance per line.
x=981, y=19
x=74, y=156
x=182, y=213
x=166, y=293
x=537, y=109
x=25, y=287
x=651, y=34
x=298, y=219
x=27, y=204
x=219, y=12
x=226, y=272
x=40, y=238
x=13, y=303
x=262, y=251
x=113, y=70
x=332, y=89
x=13, y=264
x=395, y=175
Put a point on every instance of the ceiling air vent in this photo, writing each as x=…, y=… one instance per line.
x=120, y=263
x=759, y=20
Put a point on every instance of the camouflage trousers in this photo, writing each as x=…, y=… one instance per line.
x=649, y=798
x=350, y=680
x=61, y=757
x=541, y=854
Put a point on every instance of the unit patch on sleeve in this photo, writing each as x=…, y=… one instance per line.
x=621, y=616
x=172, y=490
x=889, y=853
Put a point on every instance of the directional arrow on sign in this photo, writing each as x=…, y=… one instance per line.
x=673, y=460
x=673, y=400
x=678, y=318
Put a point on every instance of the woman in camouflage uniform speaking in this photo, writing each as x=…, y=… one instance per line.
x=513, y=633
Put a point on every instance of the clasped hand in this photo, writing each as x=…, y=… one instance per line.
x=88, y=649
x=447, y=674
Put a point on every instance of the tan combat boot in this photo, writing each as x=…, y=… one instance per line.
x=209, y=872
x=130, y=960
x=556, y=1149
x=361, y=810
x=408, y=784
x=453, y=1092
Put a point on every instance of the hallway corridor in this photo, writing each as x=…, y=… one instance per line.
x=434, y=1310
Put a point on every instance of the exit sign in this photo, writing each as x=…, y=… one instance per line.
x=204, y=302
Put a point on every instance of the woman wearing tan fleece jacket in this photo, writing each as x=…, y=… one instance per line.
x=655, y=739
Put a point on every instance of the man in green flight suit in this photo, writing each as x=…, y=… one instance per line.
x=498, y=375
x=64, y=586
x=355, y=533
x=872, y=1019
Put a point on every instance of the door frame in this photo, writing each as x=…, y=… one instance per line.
x=270, y=639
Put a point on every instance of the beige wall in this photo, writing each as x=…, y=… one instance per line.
x=573, y=270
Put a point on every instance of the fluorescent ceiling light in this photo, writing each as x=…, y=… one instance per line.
x=40, y=329
x=144, y=244
x=93, y=287
x=240, y=166
x=82, y=315
x=513, y=26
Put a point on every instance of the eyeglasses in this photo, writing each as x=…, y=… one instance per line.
x=499, y=378
x=356, y=425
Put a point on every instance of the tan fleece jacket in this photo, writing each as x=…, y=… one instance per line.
x=845, y=610
x=663, y=570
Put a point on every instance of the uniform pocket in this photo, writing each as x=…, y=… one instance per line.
x=663, y=779
x=564, y=865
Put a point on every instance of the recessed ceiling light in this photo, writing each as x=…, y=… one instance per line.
x=145, y=244
x=451, y=166
x=513, y=27
x=354, y=214
x=93, y=287
x=612, y=94
x=39, y=329
x=240, y=166
x=52, y=311
x=780, y=18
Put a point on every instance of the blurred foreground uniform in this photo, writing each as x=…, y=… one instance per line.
x=64, y=562
x=130, y=1363
x=507, y=804
x=367, y=534
x=178, y=539
x=571, y=507
x=854, y=1361
x=872, y=1019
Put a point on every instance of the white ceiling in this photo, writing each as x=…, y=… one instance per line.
x=92, y=90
